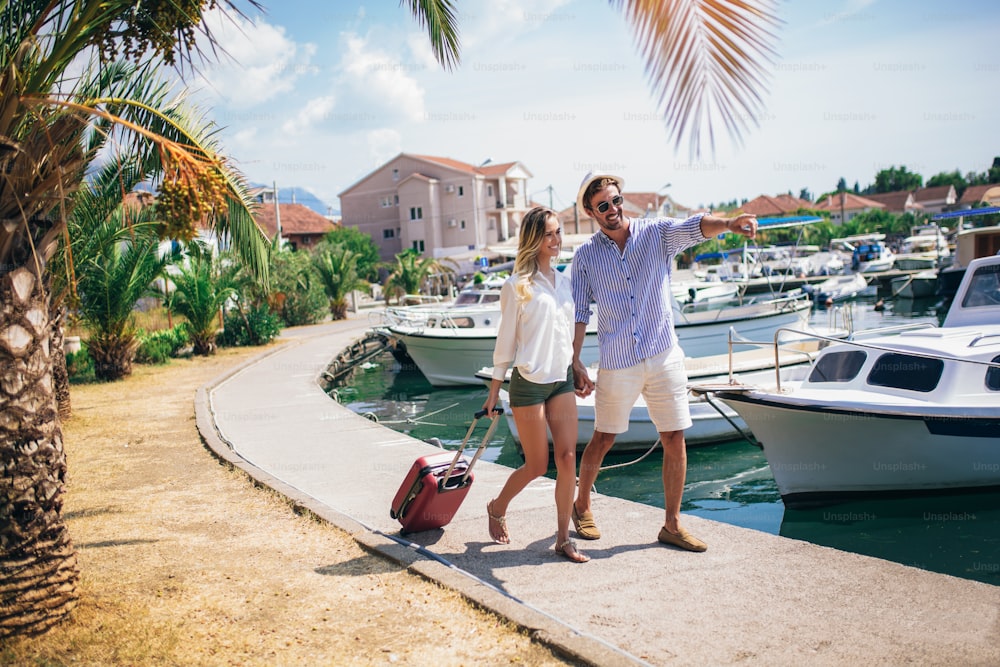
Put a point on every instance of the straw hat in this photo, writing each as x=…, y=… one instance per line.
x=590, y=178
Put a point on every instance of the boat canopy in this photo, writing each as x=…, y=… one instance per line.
x=967, y=212
x=763, y=224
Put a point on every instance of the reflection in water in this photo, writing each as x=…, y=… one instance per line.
x=954, y=534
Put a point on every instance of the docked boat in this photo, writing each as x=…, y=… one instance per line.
x=706, y=293
x=925, y=248
x=449, y=345
x=890, y=411
x=916, y=285
x=971, y=242
x=712, y=421
x=869, y=253
x=838, y=288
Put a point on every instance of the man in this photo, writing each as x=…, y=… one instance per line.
x=625, y=268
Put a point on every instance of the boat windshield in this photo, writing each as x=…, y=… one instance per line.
x=838, y=366
x=984, y=289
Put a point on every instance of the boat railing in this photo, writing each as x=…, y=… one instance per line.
x=445, y=318
x=975, y=341
x=854, y=342
x=898, y=328
x=777, y=346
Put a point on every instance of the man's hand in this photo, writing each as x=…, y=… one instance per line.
x=745, y=225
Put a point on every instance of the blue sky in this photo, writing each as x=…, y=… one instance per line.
x=317, y=94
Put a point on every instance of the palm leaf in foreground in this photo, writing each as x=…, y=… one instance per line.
x=705, y=59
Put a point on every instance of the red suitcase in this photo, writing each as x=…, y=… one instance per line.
x=436, y=484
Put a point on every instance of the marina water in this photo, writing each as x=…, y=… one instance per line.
x=956, y=534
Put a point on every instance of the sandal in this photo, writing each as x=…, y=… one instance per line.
x=498, y=525
x=572, y=555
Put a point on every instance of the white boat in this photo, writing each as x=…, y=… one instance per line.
x=712, y=421
x=890, y=410
x=925, y=248
x=704, y=292
x=869, y=253
x=450, y=345
x=971, y=240
x=915, y=286
x=837, y=288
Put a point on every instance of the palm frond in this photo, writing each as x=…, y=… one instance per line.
x=705, y=59
x=438, y=17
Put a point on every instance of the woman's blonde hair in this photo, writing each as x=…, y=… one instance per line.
x=529, y=244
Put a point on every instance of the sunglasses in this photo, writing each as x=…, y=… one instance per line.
x=615, y=201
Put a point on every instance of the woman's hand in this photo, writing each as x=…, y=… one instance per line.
x=581, y=379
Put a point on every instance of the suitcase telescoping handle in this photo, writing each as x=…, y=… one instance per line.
x=494, y=418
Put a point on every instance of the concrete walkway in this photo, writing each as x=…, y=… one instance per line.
x=752, y=598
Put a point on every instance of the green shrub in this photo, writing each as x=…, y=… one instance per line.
x=80, y=367
x=296, y=290
x=259, y=327
x=157, y=347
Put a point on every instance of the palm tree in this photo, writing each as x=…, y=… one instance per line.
x=53, y=123
x=200, y=291
x=411, y=272
x=338, y=271
x=117, y=259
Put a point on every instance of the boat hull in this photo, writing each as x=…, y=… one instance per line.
x=915, y=286
x=818, y=453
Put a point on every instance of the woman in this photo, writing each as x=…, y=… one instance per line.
x=535, y=335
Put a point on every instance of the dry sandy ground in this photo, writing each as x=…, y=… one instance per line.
x=185, y=562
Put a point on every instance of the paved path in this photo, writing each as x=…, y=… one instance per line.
x=752, y=598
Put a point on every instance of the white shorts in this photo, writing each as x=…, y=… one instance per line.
x=662, y=381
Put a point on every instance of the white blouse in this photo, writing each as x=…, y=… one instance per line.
x=536, y=336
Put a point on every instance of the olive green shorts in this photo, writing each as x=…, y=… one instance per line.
x=523, y=392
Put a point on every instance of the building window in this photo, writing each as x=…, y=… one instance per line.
x=395, y=200
x=416, y=213
x=388, y=234
x=395, y=174
x=461, y=190
x=386, y=202
x=489, y=190
x=418, y=246
x=461, y=225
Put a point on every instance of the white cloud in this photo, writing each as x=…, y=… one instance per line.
x=312, y=114
x=257, y=61
x=378, y=81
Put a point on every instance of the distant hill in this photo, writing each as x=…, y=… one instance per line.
x=290, y=194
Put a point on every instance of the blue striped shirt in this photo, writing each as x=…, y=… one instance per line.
x=635, y=319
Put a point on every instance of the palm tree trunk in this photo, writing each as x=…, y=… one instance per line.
x=60, y=375
x=38, y=565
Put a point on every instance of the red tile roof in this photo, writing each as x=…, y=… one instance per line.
x=490, y=169
x=852, y=202
x=765, y=206
x=295, y=219
x=928, y=194
x=976, y=193
x=895, y=202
